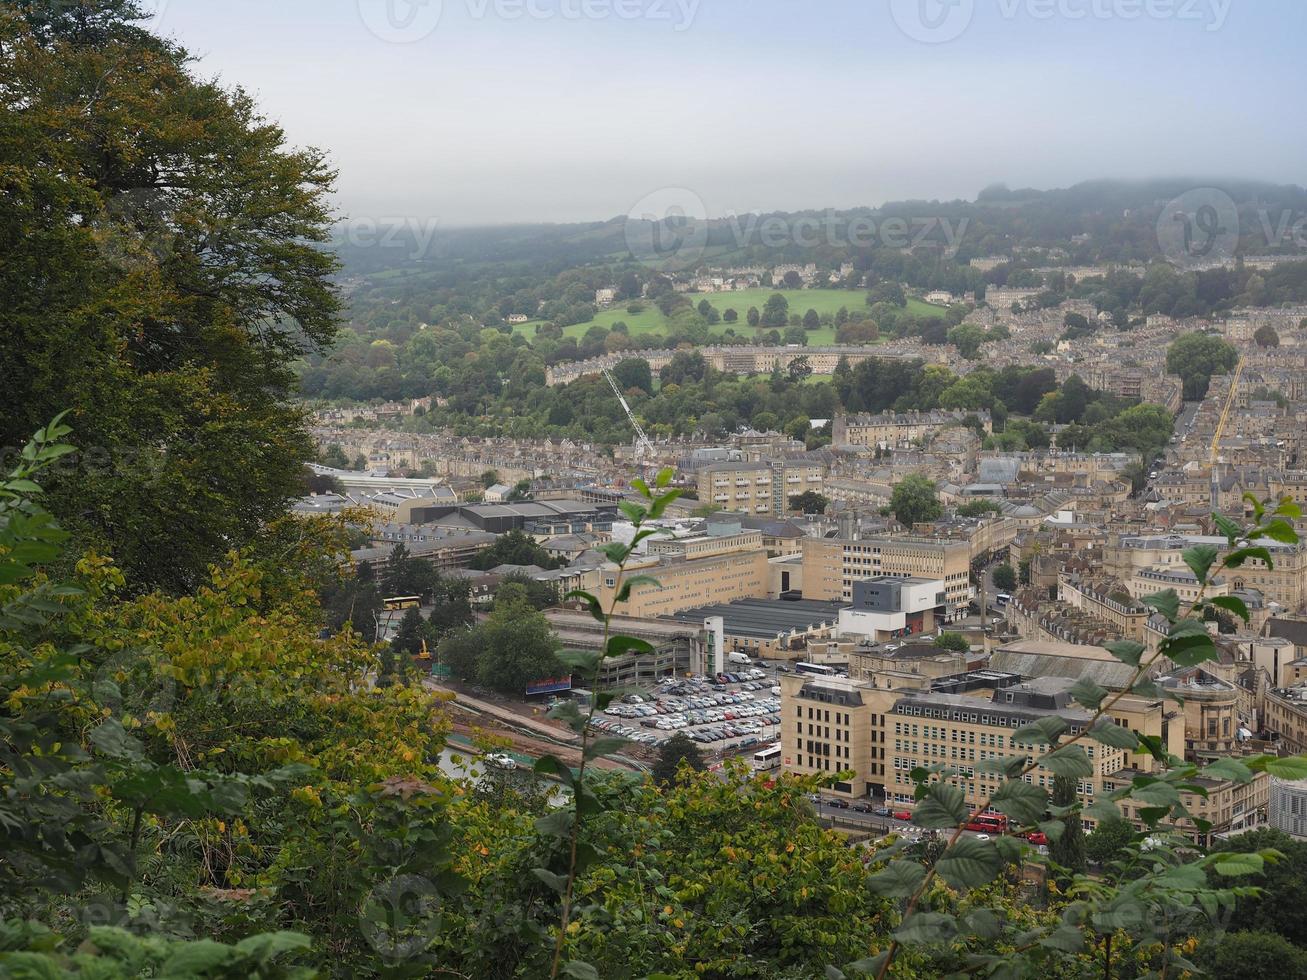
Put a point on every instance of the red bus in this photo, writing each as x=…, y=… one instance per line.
x=988, y=823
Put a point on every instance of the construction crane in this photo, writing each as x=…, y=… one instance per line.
x=643, y=447
x=1225, y=412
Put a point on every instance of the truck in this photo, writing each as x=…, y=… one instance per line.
x=739, y=658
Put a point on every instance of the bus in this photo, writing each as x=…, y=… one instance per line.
x=1002, y=599
x=987, y=823
x=821, y=670
x=398, y=602
x=767, y=759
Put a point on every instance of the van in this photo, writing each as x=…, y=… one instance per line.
x=739, y=658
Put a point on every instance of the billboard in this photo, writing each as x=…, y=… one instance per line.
x=549, y=686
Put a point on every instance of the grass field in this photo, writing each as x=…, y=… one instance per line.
x=651, y=319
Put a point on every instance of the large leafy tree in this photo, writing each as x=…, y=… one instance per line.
x=1195, y=357
x=161, y=272
x=914, y=501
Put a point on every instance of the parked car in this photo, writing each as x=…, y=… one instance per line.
x=837, y=803
x=861, y=807
x=902, y=814
x=881, y=811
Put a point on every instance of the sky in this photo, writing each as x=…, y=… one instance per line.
x=471, y=112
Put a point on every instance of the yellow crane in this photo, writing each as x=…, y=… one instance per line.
x=1225, y=415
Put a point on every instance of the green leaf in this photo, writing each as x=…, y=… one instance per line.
x=265, y=946
x=943, y=806
x=580, y=970
x=1200, y=559
x=557, y=882
x=1068, y=761
x=199, y=958
x=1232, y=603
x=591, y=603
x=969, y=863
x=1230, y=529
x=605, y=746
x=664, y=477
x=1288, y=507
x=1289, y=768
x=1020, y=800
x=549, y=765
x=634, y=512
x=556, y=823
x=1277, y=530
x=1010, y=767
x=1044, y=730
x=618, y=645
x=1259, y=508
x=1103, y=810
x=1236, y=559
x=898, y=879
x=1108, y=733
x=1126, y=651
x=982, y=923
x=1166, y=602
x=926, y=927
x=1156, y=793
x=631, y=582
x=1088, y=693
x=1231, y=769
x=584, y=661
x=868, y=966
x=1231, y=863
x=1066, y=938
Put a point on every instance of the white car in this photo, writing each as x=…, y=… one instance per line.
x=501, y=760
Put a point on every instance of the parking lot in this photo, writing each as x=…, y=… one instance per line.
x=735, y=711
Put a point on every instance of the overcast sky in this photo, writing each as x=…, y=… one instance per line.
x=489, y=111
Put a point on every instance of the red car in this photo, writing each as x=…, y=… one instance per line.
x=902, y=814
x=1036, y=837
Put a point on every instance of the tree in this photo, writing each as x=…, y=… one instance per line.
x=953, y=641
x=792, y=280
x=753, y=317
x=512, y=548
x=521, y=491
x=1267, y=336
x=978, y=508
x=1251, y=956
x=489, y=478
x=800, y=369
x=776, y=311
x=1195, y=357
x=334, y=456
x=914, y=501
x=677, y=749
x=408, y=638
x=132, y=258
x=1279, y=907
x=1067, y=848
x=1108, y=841
x=634, y=372
x=729, y=315
x=967, y=338
x=1005, y=577
x=809, y=502
x=811, y=321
